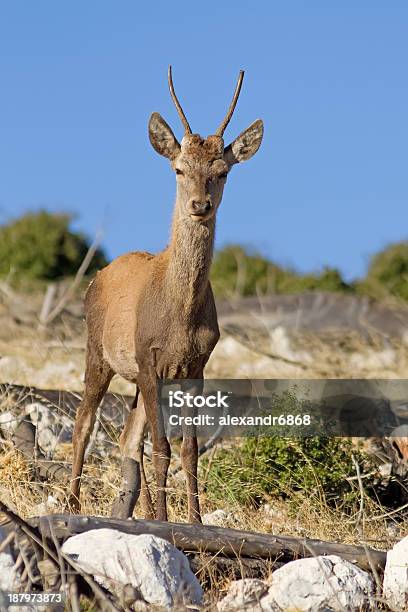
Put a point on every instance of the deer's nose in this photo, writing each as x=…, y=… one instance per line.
x=198, y=207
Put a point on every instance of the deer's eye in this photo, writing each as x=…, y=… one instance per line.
x=179, y=172
x=223, y=175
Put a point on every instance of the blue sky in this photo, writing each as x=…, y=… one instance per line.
x=329, y=184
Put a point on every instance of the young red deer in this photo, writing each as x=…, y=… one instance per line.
x=152, y=317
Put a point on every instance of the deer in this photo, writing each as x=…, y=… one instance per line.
x=153, y=317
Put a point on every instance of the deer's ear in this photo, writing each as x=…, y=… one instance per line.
x=245, y=145
x=162, y=138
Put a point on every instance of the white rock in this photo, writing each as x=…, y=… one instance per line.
x=396, y=575
x=8, y=423
x=372, y=360
x=270, y=510
x=45, y=507
x=385, y=470
x=244, y=595
x=318, y=584
x=281, y=345
x=9, y=578
x=52, y=427
x=218, y=518
x=152, y=565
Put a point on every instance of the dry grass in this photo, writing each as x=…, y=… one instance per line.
x=310, y=518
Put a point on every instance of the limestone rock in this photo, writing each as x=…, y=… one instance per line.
x=153, y=566
x=318, y=584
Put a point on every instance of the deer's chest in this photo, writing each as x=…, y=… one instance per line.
x=183, y=353
x=179, y=347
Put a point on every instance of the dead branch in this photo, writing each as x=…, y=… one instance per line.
x=47, y=303
x=216, y=540
x=67, y=296
x=49, y=558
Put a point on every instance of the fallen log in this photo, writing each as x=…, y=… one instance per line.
x=231, y=543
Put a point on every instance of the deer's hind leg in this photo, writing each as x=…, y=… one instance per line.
x=134, y=481
x=98, y=375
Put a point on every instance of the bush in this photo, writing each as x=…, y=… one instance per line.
x=388, y=272
x=236, y=271
x=328, y=280
x=41, y=246
x=260, y=468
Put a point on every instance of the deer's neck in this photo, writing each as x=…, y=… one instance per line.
x=190, y=255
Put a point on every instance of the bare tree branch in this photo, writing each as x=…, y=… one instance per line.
x=76, y=282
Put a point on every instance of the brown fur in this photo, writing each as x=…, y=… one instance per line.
x=201, y=149
x=152, y=317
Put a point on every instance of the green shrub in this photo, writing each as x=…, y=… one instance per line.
x=388, y=272
x=236, y=271
x=41, y=246
x=328, y=280
x=260, y=468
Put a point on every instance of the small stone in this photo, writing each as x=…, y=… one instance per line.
x=396, y=575
x=9, y=578
x=8, y=423
x=243, y=595
x=45, y=507
x=219, y=518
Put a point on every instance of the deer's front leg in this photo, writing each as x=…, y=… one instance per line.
x=189, y=453
x=134, y=481
x=161, y=449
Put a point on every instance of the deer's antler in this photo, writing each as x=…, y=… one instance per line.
x=233, y=104
x=180, y=111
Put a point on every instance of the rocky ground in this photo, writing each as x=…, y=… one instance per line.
x=308, y=337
